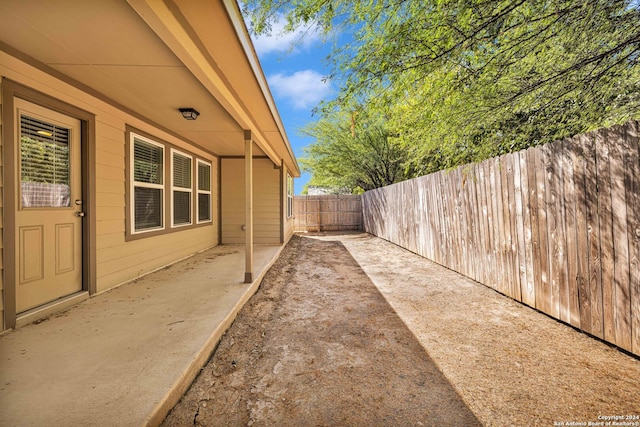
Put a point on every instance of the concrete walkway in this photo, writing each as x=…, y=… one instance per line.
x=125, y=357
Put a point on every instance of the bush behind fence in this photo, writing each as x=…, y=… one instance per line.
x=556, y=227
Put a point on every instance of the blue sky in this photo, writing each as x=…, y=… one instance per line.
x=295, y=65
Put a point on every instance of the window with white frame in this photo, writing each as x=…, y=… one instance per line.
x=289, y=196
x=204, y=191
x=169, y=189
x=181, y=188
x=147, y=192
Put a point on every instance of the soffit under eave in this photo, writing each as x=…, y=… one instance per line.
x=179, y=38
x=240, y=66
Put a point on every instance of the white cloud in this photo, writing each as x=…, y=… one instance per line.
x=280, y=41
x=303, y=89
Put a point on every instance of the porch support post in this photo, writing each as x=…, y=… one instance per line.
x=248, y=197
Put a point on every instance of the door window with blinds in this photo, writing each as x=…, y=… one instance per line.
x=181, y=187
x=44, y=164
x=169, y=189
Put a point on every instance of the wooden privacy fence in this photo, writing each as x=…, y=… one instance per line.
x=327, y=212
x=556, y=227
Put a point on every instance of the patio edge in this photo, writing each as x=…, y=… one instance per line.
x=183, y=383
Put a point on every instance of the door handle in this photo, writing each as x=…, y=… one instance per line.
x=79, y=214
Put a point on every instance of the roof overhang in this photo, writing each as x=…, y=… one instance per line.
x=151, y=57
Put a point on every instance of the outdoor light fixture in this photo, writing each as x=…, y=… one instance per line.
x=189, y=113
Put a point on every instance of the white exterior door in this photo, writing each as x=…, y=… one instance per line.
x=49, y=206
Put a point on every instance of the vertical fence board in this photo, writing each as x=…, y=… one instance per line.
x=476, y=211
x=415, y=222
x=459, y=221
x=513, y=160
x=619, y=150
x=527, y=289
x=448, y=205
x=398, y=235
x=567, y=160
x=452, y=217
x=473, y=221
x=533, y=154
x=445, y=235
x=428, y=210
x=464, y=229
x=493, y=241
x=495, y=230
x=543, y=293
x=561, y=255
x=632, y=187
x=603, y=187
x=595, y=266
x=437, y=218
x=454, y=220
x=518, y=230
x=582, y=236
x=555, y=231
x=505, y=229
x=425, y=240
x=419, y=211
x=459, y=236
x=481, y=196
x=503, y=272
x=468, y=221
x=510, y=218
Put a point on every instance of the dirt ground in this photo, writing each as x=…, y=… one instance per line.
x=350, y=330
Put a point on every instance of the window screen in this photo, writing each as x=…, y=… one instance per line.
x=148, y=185
x=181, y=189
x=204, y=192
x=147, y=164
x=148, y=208
x=181, y=171
x=204, y=176
x=181, y=207
x=289, y=196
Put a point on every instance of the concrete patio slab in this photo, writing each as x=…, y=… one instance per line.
x=125, y=357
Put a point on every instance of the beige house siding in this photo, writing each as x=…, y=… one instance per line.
x=117, y=260
x=266, y=201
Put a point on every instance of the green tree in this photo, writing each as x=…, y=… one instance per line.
x=354, y=156
x=460, y=81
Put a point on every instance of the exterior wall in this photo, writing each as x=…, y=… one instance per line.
x=266, y=201
x=118, y=260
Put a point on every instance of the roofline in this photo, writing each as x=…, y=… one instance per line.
x=243, y=35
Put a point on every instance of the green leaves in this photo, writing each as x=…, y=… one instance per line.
x=351, y=152
x=460, y=81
